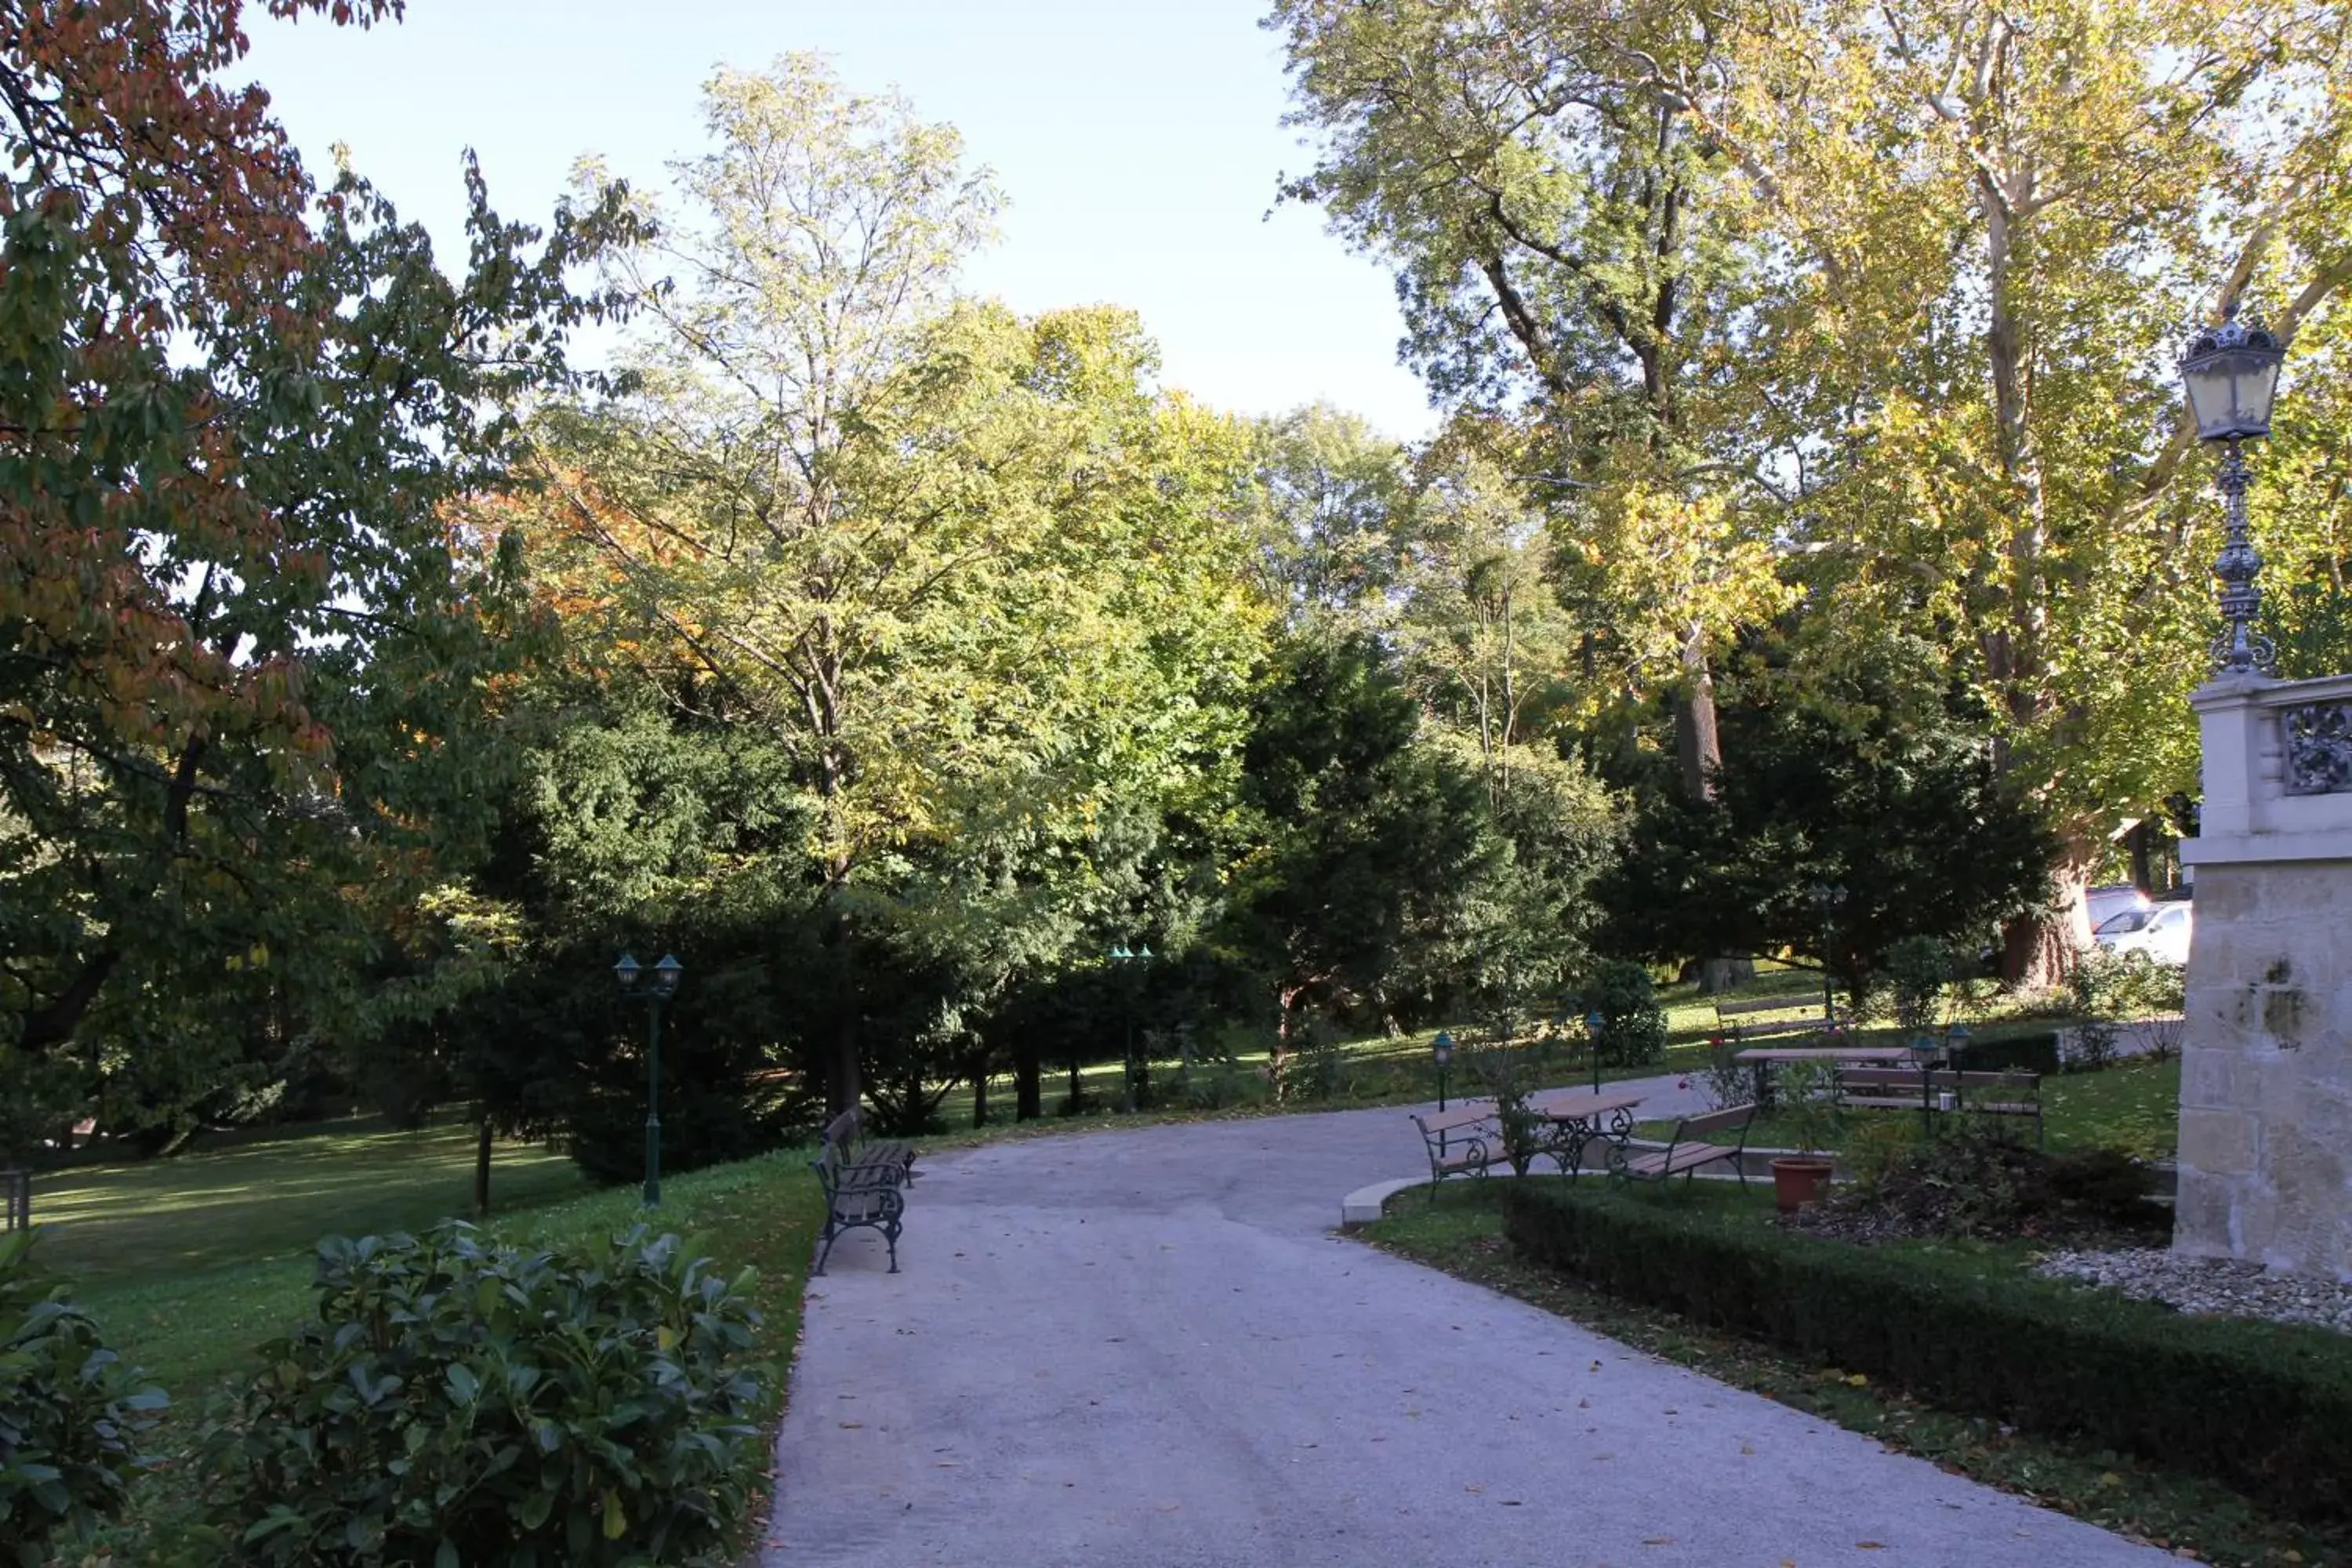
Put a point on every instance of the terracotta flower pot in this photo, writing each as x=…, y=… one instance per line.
x=1799, y=1181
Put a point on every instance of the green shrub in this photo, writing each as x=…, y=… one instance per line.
x=457, y=1402
x=1916, y=970
x=1633, y=1028
x=1981, y=1181
x=70, y=1414
x=2264, y=1408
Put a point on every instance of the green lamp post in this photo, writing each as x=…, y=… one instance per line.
x=660, y=989
x=1441, y=1051
x=1121, y=957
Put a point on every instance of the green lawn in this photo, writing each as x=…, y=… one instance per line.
x=2134, y=1105
x=176, y=1218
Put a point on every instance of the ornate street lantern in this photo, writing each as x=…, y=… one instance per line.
x=2232, y=374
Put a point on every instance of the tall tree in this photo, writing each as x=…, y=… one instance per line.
x=902, y=538
x=240, y=651
x=2001, y=214
x=1569, y=254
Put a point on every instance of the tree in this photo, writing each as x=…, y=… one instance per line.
x=1843, y=821
x=898, y=539
x=1572, y=247
x=242, y=656
x=1996, y=217
x=1360, y=832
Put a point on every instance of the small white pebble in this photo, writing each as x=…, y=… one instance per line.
x=2216, y=1286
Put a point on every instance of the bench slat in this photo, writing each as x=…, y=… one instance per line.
x=1770, y=1005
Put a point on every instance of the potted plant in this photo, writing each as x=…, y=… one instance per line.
x=1808, y=1111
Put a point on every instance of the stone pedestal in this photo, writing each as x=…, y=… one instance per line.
x=2266, y=1077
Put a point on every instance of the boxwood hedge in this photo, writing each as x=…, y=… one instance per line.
x=2262, y=1407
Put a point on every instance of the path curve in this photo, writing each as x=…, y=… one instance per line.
x=1147, y=1347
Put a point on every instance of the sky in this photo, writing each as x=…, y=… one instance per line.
x=1140, y=145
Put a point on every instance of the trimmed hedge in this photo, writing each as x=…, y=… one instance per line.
x=2018, y=1053
x=2265, y=1408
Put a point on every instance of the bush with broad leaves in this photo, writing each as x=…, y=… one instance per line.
x=70, y=1415
x=463, y=1404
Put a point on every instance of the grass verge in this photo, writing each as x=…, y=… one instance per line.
x=2134, y=1105
x=1462, y=1234
x=192, y=1331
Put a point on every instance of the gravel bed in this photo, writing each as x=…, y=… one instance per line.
x=2209, y=1285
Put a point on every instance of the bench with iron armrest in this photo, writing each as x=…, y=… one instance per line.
x=863, y=1183
x=846, y=1133
x=1773, y=1017
x=1693, y=1145
x=1466, y=1139
x=1889, y=1088
x=1933, y=1090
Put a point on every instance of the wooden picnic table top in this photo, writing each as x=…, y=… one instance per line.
x=1575, y=1105
x=1825, y=1054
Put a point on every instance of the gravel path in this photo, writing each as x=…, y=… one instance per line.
x=1146, y=1347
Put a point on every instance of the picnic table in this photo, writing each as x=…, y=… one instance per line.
x=1579, y=1116
x=1764, y=1058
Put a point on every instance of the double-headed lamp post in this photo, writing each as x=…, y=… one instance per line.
x=2231, y=373
x=658, y=990
x=1828, y=901
x=1121, y=957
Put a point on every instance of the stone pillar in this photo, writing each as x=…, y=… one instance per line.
x=2266, y=1071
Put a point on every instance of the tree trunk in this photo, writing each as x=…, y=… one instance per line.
x=2039, y=950
x=1716, y=975
x=1277, y=1063
x=843, y=1086
x=980, y=1098
x=2142, y=832
x=1699, y=748
x=1028, y=1083
x=482, y=1169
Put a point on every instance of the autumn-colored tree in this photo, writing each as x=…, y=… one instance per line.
x=240, y=646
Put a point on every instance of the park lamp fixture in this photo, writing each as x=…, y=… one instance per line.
x=664, y=982
x=660, y=989
x=2232, y=374
x=1441, y=1051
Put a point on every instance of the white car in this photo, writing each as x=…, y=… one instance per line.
x=2103, y=904
x=2160, y=931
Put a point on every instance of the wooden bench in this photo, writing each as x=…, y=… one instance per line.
x=1466, y=1139
x=864, y=1183
x=1931, y=1090
x=2017, y=1094
x=1773, y=1017
x=1690, y=1148
x=1887, y=1089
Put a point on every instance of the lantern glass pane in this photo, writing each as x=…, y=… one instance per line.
x=2209, y=399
